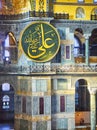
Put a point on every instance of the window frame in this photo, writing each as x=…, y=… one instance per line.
x=41, y=105
x=62, y=103
x=67, y=53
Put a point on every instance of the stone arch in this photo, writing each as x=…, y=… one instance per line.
x=94, y=11
x=12, y=37
x=78, y=78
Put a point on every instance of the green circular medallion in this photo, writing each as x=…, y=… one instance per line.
x=40, y=41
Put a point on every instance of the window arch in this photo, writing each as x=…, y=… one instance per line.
x=80, y=12
x=10, y=48
x=94, y=11
x=79, y=43
x=94, y=14
x=82, y=96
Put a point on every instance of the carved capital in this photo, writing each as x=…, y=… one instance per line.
x=92, y=90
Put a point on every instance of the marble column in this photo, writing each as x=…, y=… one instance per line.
x=93, y=108
x=87, y=51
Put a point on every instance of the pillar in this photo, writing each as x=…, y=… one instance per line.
x=93, y=108
x=87, y=51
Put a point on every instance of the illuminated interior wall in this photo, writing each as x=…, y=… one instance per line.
x=74, y=1
x=71, y=10
x=61, y=7
x=41, y=5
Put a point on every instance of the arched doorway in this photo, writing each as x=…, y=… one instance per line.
x=6, y=103
x=82, y=103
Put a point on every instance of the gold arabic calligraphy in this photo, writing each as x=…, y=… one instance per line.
x=37, y=42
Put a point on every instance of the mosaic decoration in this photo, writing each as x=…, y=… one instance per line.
x=41, y=5
x=9, y=4
x=32, y=3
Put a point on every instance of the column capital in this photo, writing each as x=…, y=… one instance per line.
x=92, y=90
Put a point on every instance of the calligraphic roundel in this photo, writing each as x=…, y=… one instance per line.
x=40, y=41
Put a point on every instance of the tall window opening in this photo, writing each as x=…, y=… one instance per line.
x=62, y=103
x=80, y=12
x=93, y=43
x=82, y=103
x=41, y=105
x=57, y=58
x=79, y=43
x=10, y=49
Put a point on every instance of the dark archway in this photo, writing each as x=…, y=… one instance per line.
x=93, y=43
x=79, y=43
x=82, y=103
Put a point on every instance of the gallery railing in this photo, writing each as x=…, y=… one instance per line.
x=94, y=17
x=56, y=68
x=33, y=14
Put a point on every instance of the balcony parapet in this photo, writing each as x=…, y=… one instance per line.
x=53, y=68
x=32, y=14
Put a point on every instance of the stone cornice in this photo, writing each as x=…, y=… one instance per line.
x=75, y=4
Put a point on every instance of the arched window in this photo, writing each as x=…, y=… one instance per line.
x=10, y=49
x=94, y=14
x=80, y=12
x=5, y=98
x=82, y=97
x=82, y=103
x=79, y=43
x=5, y=102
